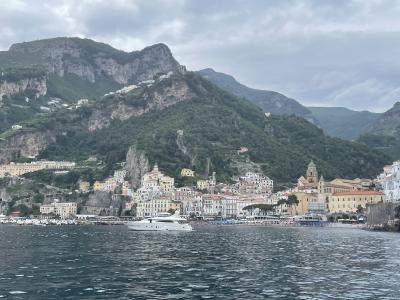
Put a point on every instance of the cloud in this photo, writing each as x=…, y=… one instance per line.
x=318, y=52
x=370, y=94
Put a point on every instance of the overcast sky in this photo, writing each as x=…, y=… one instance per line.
x=325, y=53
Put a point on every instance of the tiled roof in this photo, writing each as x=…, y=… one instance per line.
x=359, y=193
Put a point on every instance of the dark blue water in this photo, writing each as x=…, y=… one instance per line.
x=105, y=262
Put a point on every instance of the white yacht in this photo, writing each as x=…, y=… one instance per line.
x=164, y=222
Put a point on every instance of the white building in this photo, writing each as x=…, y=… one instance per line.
x=254, y=183
x=212, y=205
x=229, y=207
x=193, y=206
x=154, y=207
x=16, y=127
x=156, y=181
x=110, y=184
x=149, y=192
x=64, y=210
x=119, y=176
x=390, y=181
x=17, y=169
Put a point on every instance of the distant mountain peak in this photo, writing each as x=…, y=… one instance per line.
x=394, y=110
x=269, y=101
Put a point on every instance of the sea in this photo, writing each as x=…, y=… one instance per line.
x=212, y=262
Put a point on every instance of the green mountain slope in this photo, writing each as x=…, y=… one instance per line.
x=269, y=101
x=177, y=118
x=186, y=121
x=384, y=133
x=342, y=122
x=32, y=74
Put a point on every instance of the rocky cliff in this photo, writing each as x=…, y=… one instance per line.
x=174, y=118
x=91, y=60
x=37, y=85
x=383, y=216
x=136, y=165
x=28, y=144
x=103, y=204
x=121, y=106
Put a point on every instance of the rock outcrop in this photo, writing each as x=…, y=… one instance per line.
x=181, y=146
x=123, y=107
x=36, y=85
x=136, y=165
x=28, y=144
x=91, y=60
x=101, y=203
x=384, y=216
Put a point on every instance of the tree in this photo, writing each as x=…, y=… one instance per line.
x=263, y=208
x=171, y=211
x=281, y=202
x=292, y=199
x=359, y=209
x=249, y=208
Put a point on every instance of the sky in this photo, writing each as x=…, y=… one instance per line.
x=321, y=53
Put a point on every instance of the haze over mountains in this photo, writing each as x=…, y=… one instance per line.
x=75, y=99
x=384, y=133
x=343, y=122
x=269, y=101
x=335, y=121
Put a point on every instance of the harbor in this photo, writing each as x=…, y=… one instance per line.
x=263, y=221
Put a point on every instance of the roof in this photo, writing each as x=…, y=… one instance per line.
x=311, y=164
x=359, y=193
x=347, y=186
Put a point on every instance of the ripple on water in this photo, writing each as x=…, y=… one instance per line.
x=228, y=262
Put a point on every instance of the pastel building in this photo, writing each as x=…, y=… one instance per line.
x=349, y=202
x=17, y=169
x=193, y=206
x=390, y=182
x=305, y=201
x=254, y=183
x=202, y=184
x=187, y=172
x=155, y=207
x=64, y=210
x=84, y=186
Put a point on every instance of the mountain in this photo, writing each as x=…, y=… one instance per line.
x=179, y=119
x=342, y=122
x=37, y=76
x=269, y=101
x=384, y=133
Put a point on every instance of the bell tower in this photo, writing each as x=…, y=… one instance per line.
x=312, y=173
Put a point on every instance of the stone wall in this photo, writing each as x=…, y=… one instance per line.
x=383, y=215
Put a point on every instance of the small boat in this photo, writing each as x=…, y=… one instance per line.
x=164, y=222
x=311, y=220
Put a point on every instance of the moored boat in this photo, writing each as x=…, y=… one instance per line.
x=165, y=222
x=311, y=220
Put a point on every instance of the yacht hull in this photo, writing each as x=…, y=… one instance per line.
x=158, y=226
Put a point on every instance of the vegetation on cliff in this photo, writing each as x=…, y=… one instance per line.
x=384, y=133
x=213, y=125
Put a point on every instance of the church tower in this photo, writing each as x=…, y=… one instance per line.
x=312, y=173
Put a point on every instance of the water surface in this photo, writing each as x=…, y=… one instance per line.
x=213, y=262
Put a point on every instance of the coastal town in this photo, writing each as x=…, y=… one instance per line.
x=251, y=195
